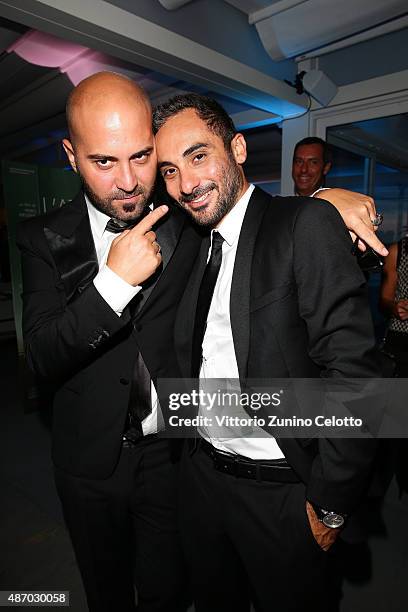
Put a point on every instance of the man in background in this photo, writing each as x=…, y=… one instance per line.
x=312, y=160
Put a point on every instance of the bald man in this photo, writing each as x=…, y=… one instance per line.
x=99, y=303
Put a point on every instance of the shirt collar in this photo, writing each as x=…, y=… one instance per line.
x=97, y=219
x=230, y=226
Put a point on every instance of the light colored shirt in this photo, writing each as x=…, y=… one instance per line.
x=219, y=360
x=116, y=292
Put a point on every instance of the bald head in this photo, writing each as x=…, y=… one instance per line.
x=111, y=144
x=102, y=93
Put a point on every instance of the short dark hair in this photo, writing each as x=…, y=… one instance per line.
x=209, y=110
x=311, y=140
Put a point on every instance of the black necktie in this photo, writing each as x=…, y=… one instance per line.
x=204, y=301
x=116, y=226
x=140, y=402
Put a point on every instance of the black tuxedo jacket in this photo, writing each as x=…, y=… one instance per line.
x=76, y=340
x=298, y=308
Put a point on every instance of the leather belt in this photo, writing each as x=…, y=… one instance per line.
x=275, y=470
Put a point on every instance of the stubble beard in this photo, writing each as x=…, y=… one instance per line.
x=124, y=212
x=228, y=189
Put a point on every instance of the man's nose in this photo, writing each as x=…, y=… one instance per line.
x=126, y=178
x=189, y=180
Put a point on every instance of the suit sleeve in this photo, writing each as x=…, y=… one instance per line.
x=60, y=338
x=333, y=302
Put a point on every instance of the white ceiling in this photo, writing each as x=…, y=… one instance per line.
x=35, y=87
x=290, y=28
x=33, y=97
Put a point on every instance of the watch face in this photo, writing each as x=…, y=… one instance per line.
x=333, y=520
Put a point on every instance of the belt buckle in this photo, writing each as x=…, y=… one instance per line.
x=226, y=463
x=252, y=470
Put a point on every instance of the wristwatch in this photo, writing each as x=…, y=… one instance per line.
x=333, y=520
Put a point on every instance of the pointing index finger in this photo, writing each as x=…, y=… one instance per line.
x=371, y=239
x=146, y=224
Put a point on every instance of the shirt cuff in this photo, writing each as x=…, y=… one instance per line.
x=116, y=292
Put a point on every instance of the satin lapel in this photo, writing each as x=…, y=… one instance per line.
x=184, y=330
x=69, y=237
x=168, y=234
x=241, y=279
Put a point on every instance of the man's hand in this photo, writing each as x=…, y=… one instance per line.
x=400, y=310
x=135, y=255
x=324, y=536
x=358, y=211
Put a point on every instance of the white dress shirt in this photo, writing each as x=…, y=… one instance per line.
x=116, y=292
x=219, y=360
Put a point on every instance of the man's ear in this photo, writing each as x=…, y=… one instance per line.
x=327, y=168
x=238, y=148
x=69, y=150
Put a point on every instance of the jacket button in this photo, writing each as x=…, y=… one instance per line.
x=124, y=381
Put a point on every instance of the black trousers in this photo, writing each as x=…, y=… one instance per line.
x=124, y=532
x=249, y=541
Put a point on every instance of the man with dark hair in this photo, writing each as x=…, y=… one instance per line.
x=216, y=117
x=312, y=160
x=357, y=210
x=275, y=293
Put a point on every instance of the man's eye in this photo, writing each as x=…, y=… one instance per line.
x=168, y=172
x=199, y=157
x=141, y=157
x=104, y=163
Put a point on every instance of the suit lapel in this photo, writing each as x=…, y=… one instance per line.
x=68, y=233
x=184, y=329
x=168, y=233
x=241, y=279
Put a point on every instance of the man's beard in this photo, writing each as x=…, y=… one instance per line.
x=228, y=190
x=124, y=212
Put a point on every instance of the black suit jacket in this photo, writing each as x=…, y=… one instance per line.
x=298, y=308
x=76, y=340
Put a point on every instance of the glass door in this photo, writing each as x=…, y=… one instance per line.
x=372, y=157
